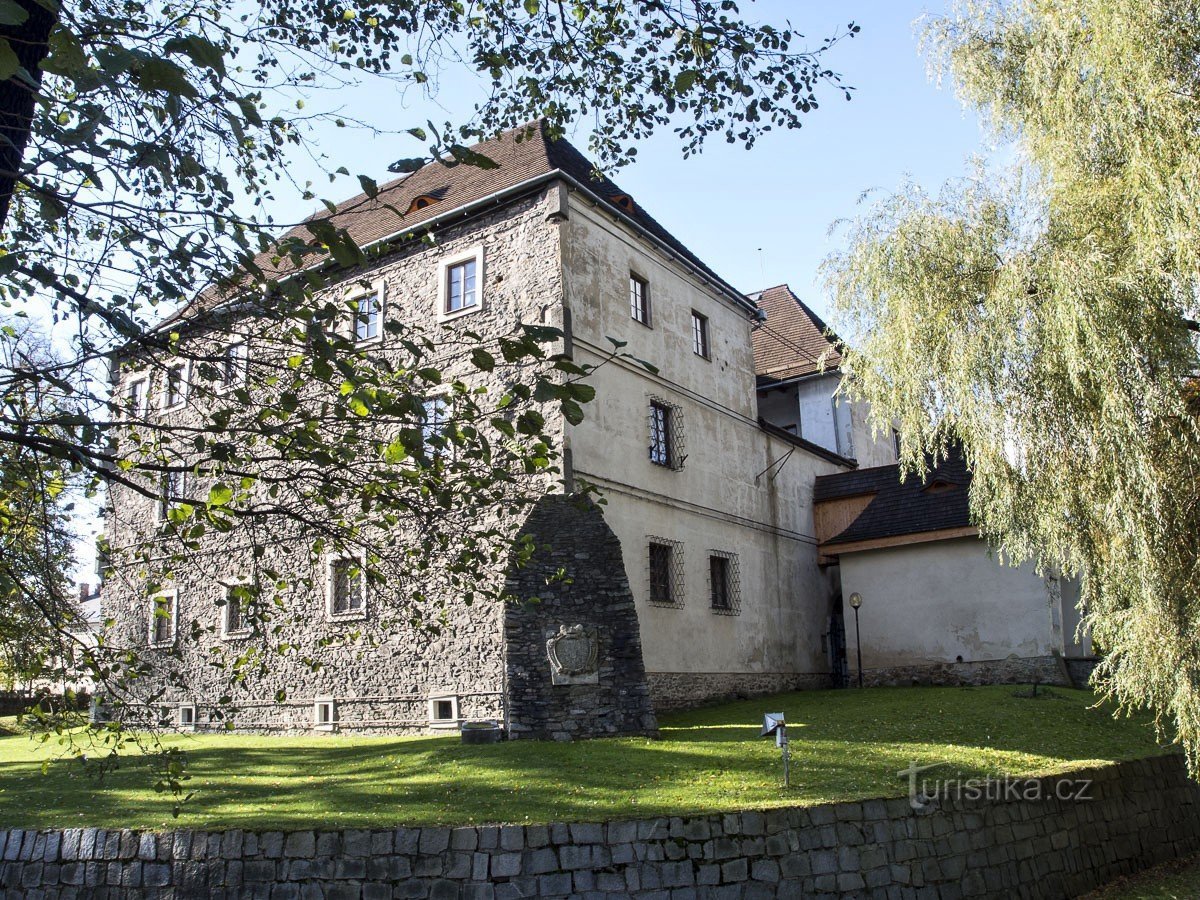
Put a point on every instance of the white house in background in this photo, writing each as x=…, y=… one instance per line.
x=937, y=606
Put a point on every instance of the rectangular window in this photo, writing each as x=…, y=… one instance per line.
x=324, y=714
x=443, y=711
x=174, y=385
x=724, y=583
x=665, y=571
x=162, y=619
x=187, y=717
x=639, y=299
x=172, y=490
x=435, y=419
x=461, y=289
x=233, y=619
x=233, y=366
x=699, y=334
x=664, y=435
x=135, y=398
x=368, y=317
x=347, y=587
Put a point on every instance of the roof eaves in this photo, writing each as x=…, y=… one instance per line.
x=815, y=449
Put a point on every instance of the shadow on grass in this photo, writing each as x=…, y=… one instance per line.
x=845, y=744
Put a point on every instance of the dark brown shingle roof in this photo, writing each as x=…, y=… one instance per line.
x=522, y=155
x=909, y=507
x=792, y=340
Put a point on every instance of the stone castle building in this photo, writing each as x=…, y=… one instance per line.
x=702, y=575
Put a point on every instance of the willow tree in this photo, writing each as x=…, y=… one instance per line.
x=1044, y=316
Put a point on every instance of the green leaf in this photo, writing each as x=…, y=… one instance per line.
x=220, y=495
x=370, y=188
x=411, y=164
x=483, y=360
x=12, y=14
x=532, y=6
x=469, y=157
x=199, y=50
x=685, y=79
x=164, y=75
x=9, y=64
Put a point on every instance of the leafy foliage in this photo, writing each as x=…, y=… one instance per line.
x=1044, y=317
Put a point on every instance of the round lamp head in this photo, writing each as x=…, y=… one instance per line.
x=855, y=600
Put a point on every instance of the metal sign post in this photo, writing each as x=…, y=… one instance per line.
x=773, y=723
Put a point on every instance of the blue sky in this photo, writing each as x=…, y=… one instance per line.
x=727, y=203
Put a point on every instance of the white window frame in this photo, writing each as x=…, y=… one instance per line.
x=242, y=366
x=444, y=266
x=353, y=297
x=330, y=724
x=226, y=586
x=351, y=614
x=143, y=410
x=185, y=712
x=701, y=336
x=184, y=385
x=164, y=502
x=172, y=597
x=451, y=723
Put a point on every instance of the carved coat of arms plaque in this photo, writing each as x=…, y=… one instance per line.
x=573, y=652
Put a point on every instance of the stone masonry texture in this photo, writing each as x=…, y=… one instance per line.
x=570, y=535
x=1136, y=814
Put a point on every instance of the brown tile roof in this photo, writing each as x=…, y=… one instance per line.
x=909, y=507
x=791, y=340
x=521, y=155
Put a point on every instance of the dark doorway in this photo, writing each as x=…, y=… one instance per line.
x=838, y=666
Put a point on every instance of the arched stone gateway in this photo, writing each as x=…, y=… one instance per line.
x=573, y=651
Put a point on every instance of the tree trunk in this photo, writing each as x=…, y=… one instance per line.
x=29, y=41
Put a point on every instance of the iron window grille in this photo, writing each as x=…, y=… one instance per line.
x=666, y=434
x=700, y=335
x=639, y=299
x=664, y=561
x=724, y=583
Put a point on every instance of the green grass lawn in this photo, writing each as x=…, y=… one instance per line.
x=845, y=744
x=1178, y=880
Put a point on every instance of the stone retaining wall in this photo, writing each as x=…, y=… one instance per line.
x=685, y=690
x=1013, y=670
x=1136, y=814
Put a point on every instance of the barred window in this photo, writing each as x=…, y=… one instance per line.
x=666, y=435
x=700, y=334
x=639, y=299
x=665, y=571
x=724, y=583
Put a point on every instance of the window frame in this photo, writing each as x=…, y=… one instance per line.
x=143, y=407
x=674, y=563
x=243, y=630
x=456, y=712
x=640, y=284
x=240, y=368
x=355, y=298
x=445, y=267
x=186, y=716
x=171, y=598
x=732, y=584
x=664, y=422
x=183, y=367
x=701, y=343
x=168, y=500
x=351, y=614
x=330, y=722
x=435, y=427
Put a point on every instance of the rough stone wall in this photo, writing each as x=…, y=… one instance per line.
x=381, y=678
x=1138, y=814
x=571, y=536
x=1014, y=670
x=682, y=690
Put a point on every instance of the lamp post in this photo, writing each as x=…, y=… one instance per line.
x=855, y=603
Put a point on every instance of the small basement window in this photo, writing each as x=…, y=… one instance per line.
x=324, y=714
x=187, y=716
x=443, y=711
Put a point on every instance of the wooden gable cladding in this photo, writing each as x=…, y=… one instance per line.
x=832, y=517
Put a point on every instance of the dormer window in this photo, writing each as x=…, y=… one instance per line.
x=422, y=202
x=625, y=202
x=939, y=486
